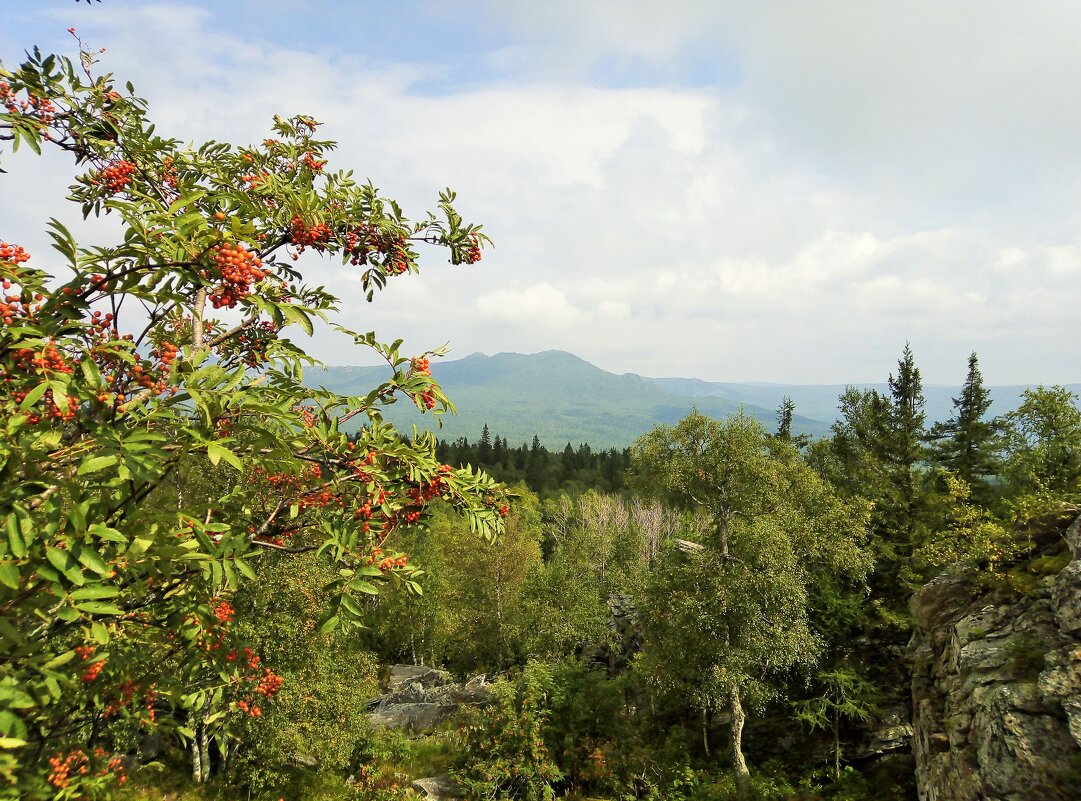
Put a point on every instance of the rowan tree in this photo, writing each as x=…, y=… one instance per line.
x=126, y=364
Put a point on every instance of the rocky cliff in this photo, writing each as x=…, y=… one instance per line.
x=996, y=685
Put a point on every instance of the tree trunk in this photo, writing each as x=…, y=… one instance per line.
x=705, y=730
x=196, y=759
x=739, y=764
x=200, y=748
x=836, y=745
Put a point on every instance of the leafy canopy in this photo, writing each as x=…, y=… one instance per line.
x=156, y=437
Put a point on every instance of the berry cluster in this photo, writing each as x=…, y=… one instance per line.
x=33, y=106
x=155, y=376
x=252, y=180
x=308, y=236
x=312, y=163
x=168, y=173
x=49, y=360
x=473, y=254
x=426, y=398
x=223, y=611
x=384, y=562
x=367, y=244
x=115, y=176
x=252, y=342
x=123, y=701
x=16, y=308
x=12, y=254
x=238, y=269
x=62, y=769
x=93, y=671
x=267, y=683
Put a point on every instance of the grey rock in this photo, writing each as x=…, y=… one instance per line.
x=996, y=688
x=420, y=697
x=413, y=718
x=1066, y=596
x=438, y=788
x=402, y=675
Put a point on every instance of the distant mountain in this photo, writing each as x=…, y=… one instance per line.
x=563, y=398
x=555, y=395
x=819, y=401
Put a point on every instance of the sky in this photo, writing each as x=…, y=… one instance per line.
x=767, y=191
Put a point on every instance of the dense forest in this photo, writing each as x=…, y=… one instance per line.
x=572, y=470
x=786, y=618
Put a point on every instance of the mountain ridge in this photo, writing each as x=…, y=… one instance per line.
x=562, y=398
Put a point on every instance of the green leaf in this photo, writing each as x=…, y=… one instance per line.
x=59, y=661
x=351, y=606
x=11, y=742
x=34, y=395
x=99, y=608
x=329, y=624
x=99, y=632
x=95, y=463
x=363, y=586
x=295, y=315
x=94, y=592
x=60, y=395
x=15, y=538
x=218, y=452
x=60, y=559
x=91, y=559
x=138, y=547
x=245, y=569
x=9, y=575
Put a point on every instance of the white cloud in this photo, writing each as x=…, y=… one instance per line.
x=541, y=304
x=763, y=191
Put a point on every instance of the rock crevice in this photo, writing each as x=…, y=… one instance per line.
x=996, y=688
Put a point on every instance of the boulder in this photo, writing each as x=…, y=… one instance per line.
x=419, y=697
x=438, y=788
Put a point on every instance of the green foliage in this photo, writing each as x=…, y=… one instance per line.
x=736, y=609
x=507, y=756
x=969, y=444
x=318, y=721
x=1043, y=462
x=970, y=535
x=121, y=382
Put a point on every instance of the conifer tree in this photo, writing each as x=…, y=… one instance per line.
x=784, y=418
x=484, y=447
x=904, y=507
x=968, y=443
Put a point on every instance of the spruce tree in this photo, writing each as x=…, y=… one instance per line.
x=484, y=447
x=905, y=452
x=784, y=418
x=906, y=449
x=968, y=443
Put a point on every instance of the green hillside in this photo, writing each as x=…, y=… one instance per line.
x=563, y=398
x=555, y=395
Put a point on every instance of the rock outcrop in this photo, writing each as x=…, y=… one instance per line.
x=420, y=697
x=438, y=788
x=997, y=688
